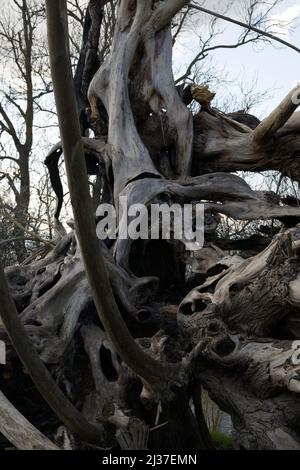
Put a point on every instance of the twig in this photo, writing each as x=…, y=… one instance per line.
x=20, y=432
x=32, y=234
x=245, y=25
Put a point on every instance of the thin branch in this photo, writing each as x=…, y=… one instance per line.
x=180, y=26
x=40, y=375
x=14, y=103
x=164, y=13
x=15, y=239
x=9, y=127
x=245, y=25
x=203, y=54
x=11, y=183
x=11, y=159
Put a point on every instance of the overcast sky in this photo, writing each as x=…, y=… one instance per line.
x=276, y=67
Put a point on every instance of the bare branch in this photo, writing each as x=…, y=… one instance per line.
x=245, y=25
x=278, y=117
x=12, y=159
x=19, y=431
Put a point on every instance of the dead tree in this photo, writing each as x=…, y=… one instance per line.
x=122, y=330
x=19, y=102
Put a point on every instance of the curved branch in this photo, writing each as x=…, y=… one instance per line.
x=278, y=118
x=19, y=431
x=157, y=374
x=40, y=375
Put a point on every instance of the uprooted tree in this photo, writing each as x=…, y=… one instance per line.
x=117, y=338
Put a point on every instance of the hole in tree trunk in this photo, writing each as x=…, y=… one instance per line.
x=107, y=365
x=158, y=258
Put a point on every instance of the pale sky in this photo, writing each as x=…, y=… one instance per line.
x=276, y=67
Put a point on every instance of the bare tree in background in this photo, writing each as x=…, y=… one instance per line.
x=23, y=83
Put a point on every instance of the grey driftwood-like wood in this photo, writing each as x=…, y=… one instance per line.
x=132, y=330
x=19, y=431
x=221, y=145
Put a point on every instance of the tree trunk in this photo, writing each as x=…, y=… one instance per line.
x=21, y=208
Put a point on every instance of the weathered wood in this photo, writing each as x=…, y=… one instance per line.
x=19, y=431
x=157, y=374
x=43, y=380
x=267, y=128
